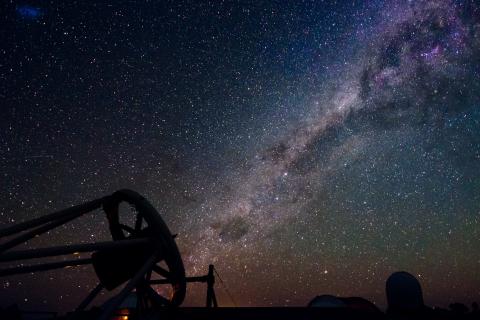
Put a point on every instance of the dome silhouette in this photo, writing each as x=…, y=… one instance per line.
x=404, y=292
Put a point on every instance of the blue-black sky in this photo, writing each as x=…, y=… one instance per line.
x=303, y=147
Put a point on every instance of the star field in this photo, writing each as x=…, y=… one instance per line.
x=302, y=147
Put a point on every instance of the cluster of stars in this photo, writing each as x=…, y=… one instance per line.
x=304, y=148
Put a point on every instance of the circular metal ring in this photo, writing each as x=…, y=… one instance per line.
x=157, y=231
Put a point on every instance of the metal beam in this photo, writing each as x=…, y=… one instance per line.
x=44, y=267
x=188, y=279
x=34, y=233
x=128, y=288
x=61, y=250
x=211, y=298
x=80, y=209
x=89, y=298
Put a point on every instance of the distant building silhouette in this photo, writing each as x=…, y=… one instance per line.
x=458, y=308
x=404, y=293
x=327, y=301
x=475, y=309
x=360, y=304
x=355, y=304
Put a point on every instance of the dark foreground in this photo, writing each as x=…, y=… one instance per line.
x=298, y=313
x=290, y=313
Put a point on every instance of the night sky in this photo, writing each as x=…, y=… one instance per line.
x=302, y=147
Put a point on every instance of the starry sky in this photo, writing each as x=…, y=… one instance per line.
x=302, y=147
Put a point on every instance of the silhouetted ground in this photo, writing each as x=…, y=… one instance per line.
x=264, y=313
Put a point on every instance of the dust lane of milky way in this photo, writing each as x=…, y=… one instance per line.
x=422, y=49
